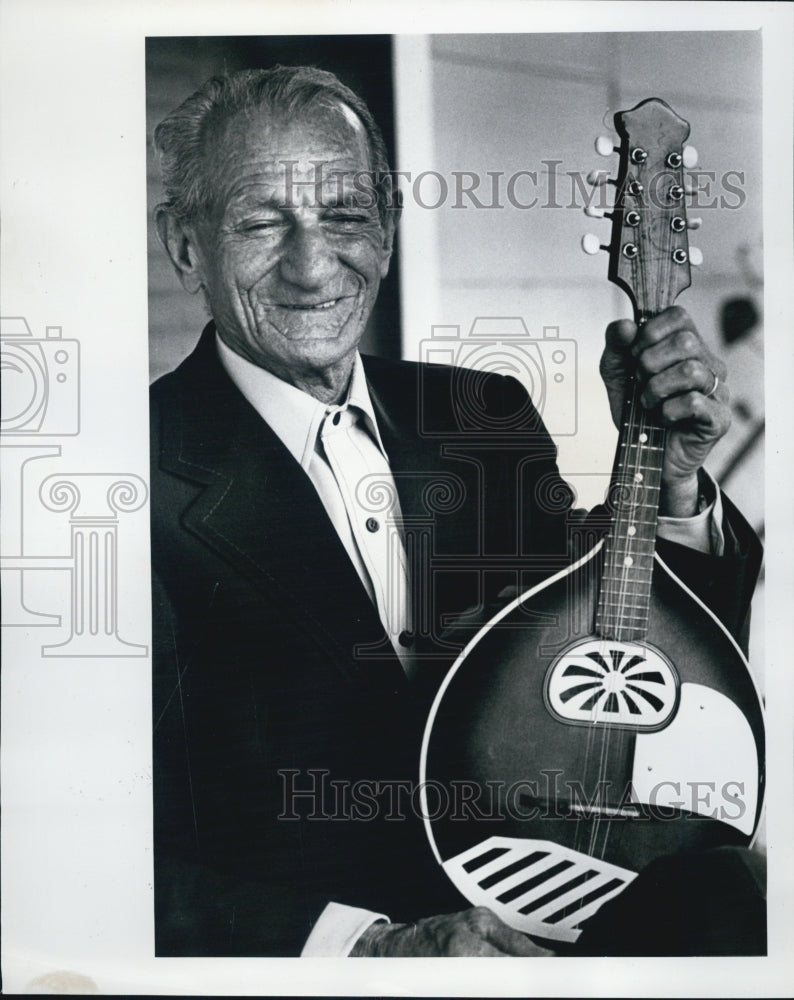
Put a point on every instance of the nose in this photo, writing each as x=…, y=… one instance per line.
x=307, y=260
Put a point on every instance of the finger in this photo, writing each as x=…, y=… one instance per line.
x=617, y=361
x=476, y=947
x=505, y=938
x=513, y=942
x=661, y=326
x=711, y=416
x=691, y=375
x=620, y=335
x=681, y=346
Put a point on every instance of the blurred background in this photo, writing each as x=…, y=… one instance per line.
x=466, y=113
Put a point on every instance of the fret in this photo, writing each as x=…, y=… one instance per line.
x=624, y=616
x=624, y=604
x=617, y=634
x=644, y=483
x=639, y=465
x=633, y=548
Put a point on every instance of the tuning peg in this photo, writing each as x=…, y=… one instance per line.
x=695, y=257
x=690, y=157
x=596, y=213
x=694, y=223
x=598, y=178
x=591, y=244
x=604, y=146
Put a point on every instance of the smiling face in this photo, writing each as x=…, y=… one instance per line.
x=293, y=252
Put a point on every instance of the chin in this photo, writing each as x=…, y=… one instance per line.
x=320, y=354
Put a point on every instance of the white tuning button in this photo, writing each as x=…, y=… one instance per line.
x=596, y=213
x=694, y=223
x=690, y=157
x=598, y=178
x=695, y=257
x=604, y=146
x=591, y=243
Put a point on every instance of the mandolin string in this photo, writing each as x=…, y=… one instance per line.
x=641, y=424
x=633, y=467
x=638, y=457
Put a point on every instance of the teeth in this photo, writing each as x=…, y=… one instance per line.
x=314, y=308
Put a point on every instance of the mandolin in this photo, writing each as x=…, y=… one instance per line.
x=605, y=717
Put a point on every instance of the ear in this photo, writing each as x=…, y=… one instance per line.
x=182, y=248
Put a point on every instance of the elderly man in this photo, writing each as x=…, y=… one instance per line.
x=294, y=661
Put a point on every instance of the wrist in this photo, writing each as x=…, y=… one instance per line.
x=371, y=943
x=687, y=497
x=679, y=498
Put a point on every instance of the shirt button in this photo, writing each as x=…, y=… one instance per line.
x=372, y=524
x=336, y=418
x=405, y=639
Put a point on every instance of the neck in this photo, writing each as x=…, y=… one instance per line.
x=329, y=385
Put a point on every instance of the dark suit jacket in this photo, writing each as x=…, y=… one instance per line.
x=272, y=673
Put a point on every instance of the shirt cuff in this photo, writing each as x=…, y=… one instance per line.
x=337, y=930
x=702, y=532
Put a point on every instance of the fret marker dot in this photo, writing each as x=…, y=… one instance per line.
x=632, y=530
x=628, y=561
x=637, y=477
x=643, y=438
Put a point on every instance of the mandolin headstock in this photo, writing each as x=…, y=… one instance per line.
x=649, y=253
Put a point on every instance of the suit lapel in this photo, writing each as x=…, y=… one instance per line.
x=259, y=510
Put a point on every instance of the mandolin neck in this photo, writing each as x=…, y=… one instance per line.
x=624, y=595
x=649, y=259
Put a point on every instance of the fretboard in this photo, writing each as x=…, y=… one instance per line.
x=624, y=596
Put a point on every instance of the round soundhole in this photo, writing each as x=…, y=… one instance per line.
x=606, y=682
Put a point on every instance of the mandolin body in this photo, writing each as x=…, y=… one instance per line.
x=558, y=764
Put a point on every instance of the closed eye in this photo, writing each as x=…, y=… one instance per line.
x=258, y=225
x=348, y=220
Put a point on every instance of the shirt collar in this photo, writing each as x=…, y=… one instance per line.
x=293, y=414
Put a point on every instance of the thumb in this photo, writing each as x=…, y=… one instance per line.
x=617, y=363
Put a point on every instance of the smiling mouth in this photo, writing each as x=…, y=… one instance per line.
x=306, y=306
x=308, y=320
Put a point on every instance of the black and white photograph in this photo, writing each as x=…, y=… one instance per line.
x=395, y=474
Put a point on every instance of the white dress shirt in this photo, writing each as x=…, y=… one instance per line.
x=341, y=451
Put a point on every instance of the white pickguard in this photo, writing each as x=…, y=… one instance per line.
x=723, y=774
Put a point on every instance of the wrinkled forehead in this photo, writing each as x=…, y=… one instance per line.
x=325, y=130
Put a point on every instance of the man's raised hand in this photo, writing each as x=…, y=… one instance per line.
x=680, y=378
